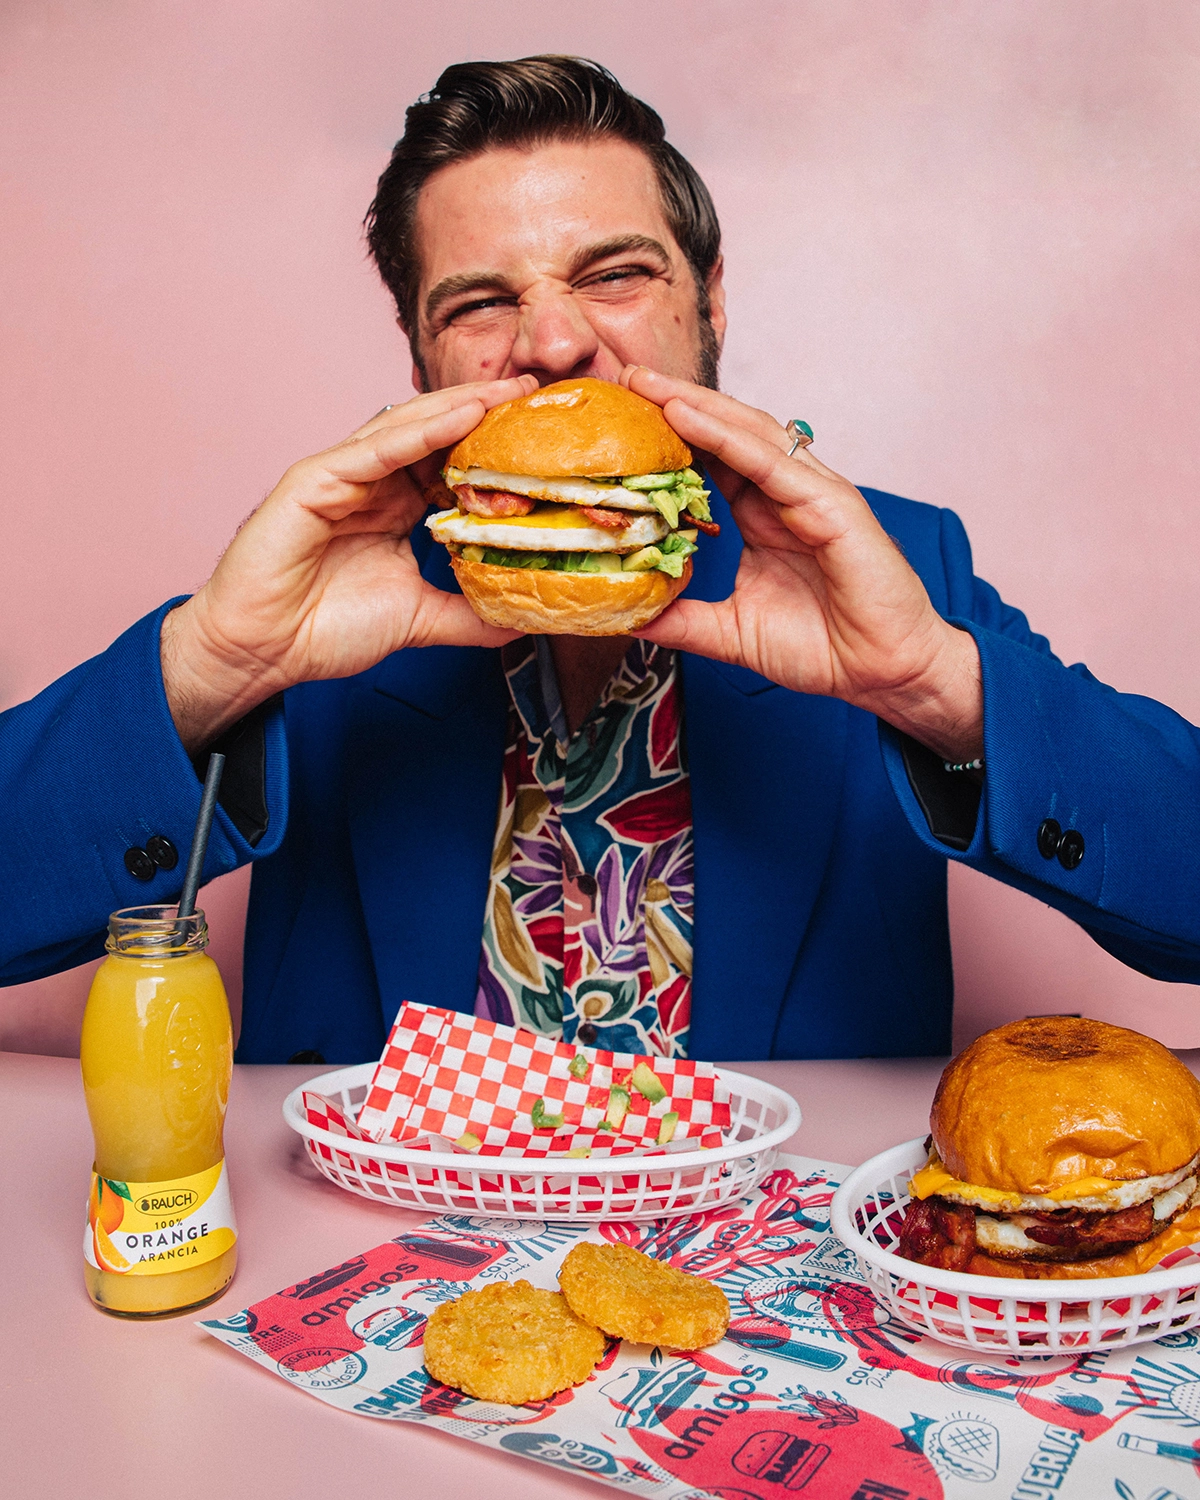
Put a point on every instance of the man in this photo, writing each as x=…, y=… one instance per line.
x=838, y=705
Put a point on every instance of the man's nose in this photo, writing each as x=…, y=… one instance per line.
x=554, y=338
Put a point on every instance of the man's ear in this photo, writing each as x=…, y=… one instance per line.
x=715, y=286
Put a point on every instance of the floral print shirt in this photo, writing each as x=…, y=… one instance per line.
x=588, y=929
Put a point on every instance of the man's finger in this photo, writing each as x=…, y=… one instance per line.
x=443, y=619
x=490, y=392
x=664, y=388
x=690, y=625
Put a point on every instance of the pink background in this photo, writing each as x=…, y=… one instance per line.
x=961, y=241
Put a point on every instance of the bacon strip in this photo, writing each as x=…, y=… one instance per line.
x=613, y=520
x=709, y=528
x=492, y=502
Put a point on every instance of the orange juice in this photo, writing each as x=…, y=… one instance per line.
x=157, y=1055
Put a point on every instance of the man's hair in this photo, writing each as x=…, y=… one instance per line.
x=480, y=106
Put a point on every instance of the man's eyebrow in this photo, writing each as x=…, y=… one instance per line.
x=455, y=286
x=617, y=244
x=587, y=255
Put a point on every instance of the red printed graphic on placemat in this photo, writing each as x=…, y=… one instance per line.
x=319, y=1310
x=770, y=1455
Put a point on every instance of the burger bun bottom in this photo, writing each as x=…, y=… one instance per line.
x=544, y=601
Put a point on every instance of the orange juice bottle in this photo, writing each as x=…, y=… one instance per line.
x=157, y=1055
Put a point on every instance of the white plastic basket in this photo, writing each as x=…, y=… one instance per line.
x=581, y=1191
x=994, y=1313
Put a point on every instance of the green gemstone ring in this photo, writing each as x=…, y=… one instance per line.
x=800, y=433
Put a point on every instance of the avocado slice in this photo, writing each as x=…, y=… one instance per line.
x=541, y=1120
x=647, y=1084
x=618, y=1106
x=666, y=1127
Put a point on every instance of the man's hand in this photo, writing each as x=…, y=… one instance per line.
x=824, y=601
x=321, y=580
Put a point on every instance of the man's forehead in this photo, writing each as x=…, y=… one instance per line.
x=511, y=211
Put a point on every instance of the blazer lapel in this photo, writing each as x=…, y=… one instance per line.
x=422, y=815
x=766, y=773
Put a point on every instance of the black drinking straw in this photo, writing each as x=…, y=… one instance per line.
x=208, y=803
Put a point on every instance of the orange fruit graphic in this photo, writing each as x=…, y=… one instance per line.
x=104, y=1206
x=108, y=1257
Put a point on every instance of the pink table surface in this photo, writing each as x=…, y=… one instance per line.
x=96, y=1406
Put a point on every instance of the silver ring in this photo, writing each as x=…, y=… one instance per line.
x=380, y=412
x=800, y=433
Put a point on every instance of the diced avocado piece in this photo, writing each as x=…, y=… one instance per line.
x=668, y=504
x=672, y=563
x=647, y=1083
x=468, y=1142
x=580, y=1151
x=689, y=476
x=541, y=1120
x=618, y=1107
x=666, y=1127
x=644, y=482
x=642, y=560
x=472, y=554
x=578, y=1066
x=696, y=504
x=604, y=1125
x=682, y=542
x=600, y=562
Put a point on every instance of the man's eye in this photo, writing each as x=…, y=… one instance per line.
x=617, y=277
x=484, y=304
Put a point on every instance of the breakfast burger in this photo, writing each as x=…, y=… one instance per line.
x=1059, y=1147
x=575, y=511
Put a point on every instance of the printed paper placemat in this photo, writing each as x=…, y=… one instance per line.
x=816, y=1391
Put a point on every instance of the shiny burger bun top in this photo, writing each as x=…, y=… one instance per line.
x=609, y=431
x=1060, y=1102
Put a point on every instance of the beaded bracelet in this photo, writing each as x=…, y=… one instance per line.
x=964, y=765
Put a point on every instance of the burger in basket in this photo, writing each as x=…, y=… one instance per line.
x=1060, y=1147
x=576, y=511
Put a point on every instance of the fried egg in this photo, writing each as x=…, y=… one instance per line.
x=550, y=528
x=570, y=491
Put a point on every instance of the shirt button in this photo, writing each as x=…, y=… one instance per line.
x=586, y=1034
x=1070, y=850
x=1049, y=836
x=162, y=851
x=139, y=864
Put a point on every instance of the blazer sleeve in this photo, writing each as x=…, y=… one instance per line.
x=91, y=768
x=1120, y=770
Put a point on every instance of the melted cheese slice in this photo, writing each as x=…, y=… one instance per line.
x=933, y=1180
x=1099, y=1194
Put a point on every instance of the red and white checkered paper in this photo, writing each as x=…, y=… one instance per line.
x=444, y=1074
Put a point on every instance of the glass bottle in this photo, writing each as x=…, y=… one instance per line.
x=157, y=1055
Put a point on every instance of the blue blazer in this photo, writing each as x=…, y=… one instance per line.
x=821, y=927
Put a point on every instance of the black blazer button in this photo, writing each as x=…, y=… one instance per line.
x=139, y=864
x=1070, y=850
x=1049, y=836
x=586, y=1034
x=162, y=851
x=307, y=1056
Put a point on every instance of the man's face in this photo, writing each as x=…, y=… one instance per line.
x=556, y=262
